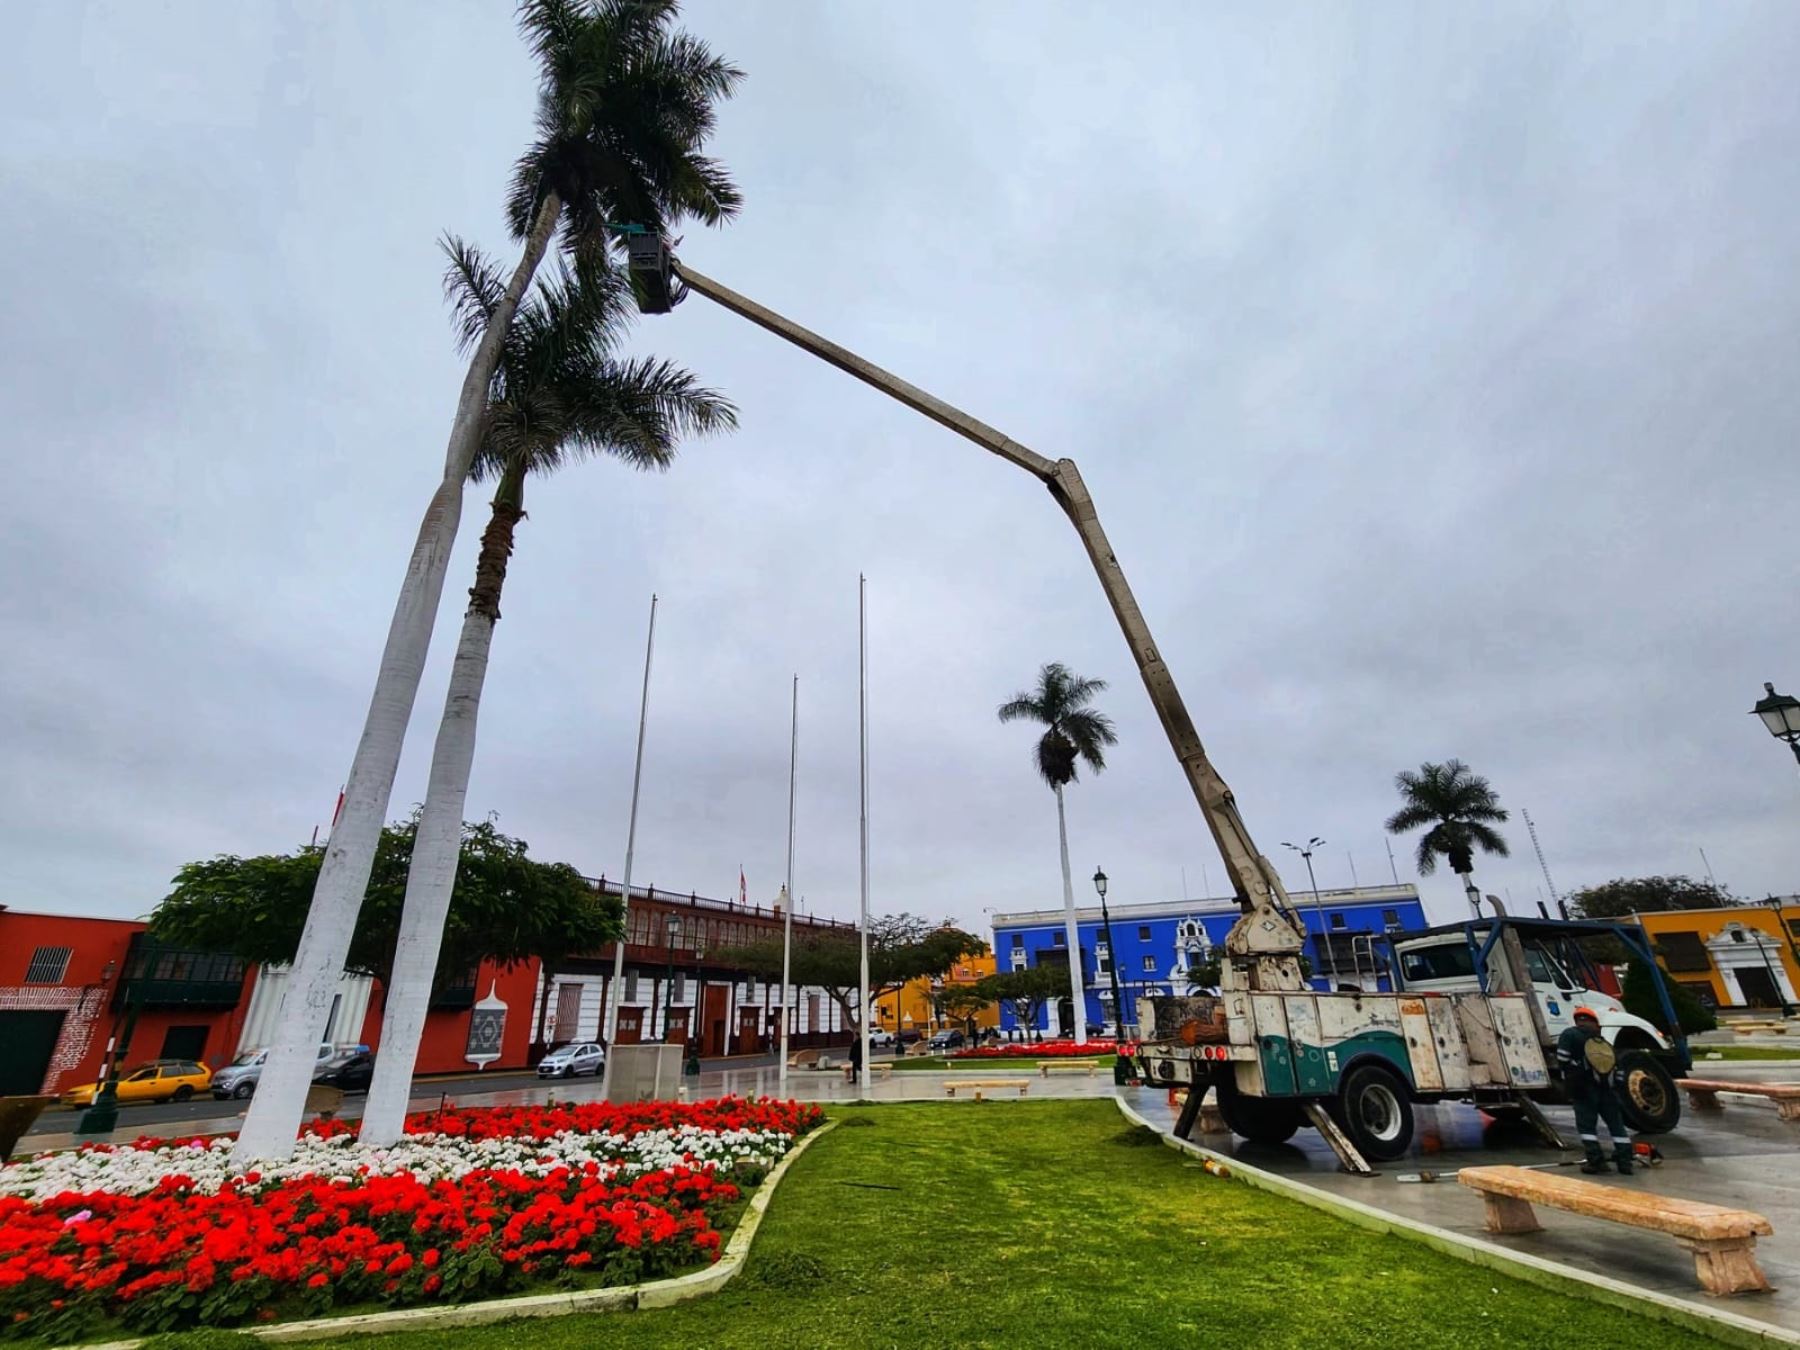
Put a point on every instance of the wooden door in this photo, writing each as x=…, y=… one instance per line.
x=748, y=1041
x=676, y=1033
x=630, y=1029
x=712, y=1022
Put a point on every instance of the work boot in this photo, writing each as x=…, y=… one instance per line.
x=1596, y=1161
x=1622, y=1160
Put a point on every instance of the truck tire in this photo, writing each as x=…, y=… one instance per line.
x=1261, y=1120
x=1373, y=1108
x=1647, y=1093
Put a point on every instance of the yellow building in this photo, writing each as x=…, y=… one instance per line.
x=913, y=1009
x=1744, y=956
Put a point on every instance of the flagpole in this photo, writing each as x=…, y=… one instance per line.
x=787, y=891
x=637, y=778
x=862, y=702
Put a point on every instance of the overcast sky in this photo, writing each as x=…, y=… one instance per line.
x=1433, y=369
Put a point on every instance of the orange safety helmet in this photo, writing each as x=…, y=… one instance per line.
x=1585, y=1011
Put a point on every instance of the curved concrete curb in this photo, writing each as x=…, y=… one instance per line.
x=654, y=1294
x=1715, y=1322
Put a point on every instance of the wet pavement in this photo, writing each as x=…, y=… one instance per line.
x=1743, y=1156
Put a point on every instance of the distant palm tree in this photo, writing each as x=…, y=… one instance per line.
x=1459, y=806
x=625, y=106
x=560, y=393
x=1073, y=734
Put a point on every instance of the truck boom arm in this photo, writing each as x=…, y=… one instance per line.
x=1267, y=933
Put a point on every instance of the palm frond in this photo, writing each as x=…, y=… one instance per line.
x=473, y=285
x=1021, y=707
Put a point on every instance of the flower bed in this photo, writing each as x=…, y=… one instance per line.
x=1043, y=1050
x=471, y=1203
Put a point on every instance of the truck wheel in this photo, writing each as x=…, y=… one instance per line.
x=243, y=1090
x=1647, y=1093
x=1261, y=1120
x=1373, y=1109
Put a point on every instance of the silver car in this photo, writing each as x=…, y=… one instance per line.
x=568, y=1060
x=239, y=1078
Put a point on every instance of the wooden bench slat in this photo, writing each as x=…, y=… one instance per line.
x=1693, y=1219
x=1777, y=1091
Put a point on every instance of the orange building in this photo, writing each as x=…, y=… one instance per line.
x=914, y=1009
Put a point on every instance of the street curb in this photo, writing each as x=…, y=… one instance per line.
x=625, y=1298
x=1716, y=1322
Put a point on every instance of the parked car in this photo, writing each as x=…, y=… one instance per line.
x=239, y=1078
x=575, y=1058
x=161, y=1080
x=948, y=1040
x=881, y=1040
x=350, y=1074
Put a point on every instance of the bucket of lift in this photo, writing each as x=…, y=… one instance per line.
x=652, y=268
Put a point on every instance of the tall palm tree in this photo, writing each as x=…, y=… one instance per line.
x=625, y=106
x=1461, y=809
x=560, y=393
x=1074, y=734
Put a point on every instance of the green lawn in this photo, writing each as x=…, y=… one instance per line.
x=939, y=1065
x=1747, y=1052
x=1052, y=1224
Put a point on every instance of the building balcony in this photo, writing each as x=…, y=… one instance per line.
x=156, y=976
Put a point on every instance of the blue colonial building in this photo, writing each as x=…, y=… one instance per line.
x=1161, y=946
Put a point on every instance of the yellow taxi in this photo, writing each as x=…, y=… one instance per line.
x=161, y=1080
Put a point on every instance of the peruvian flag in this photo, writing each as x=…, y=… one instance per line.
x=743, y=890
x=338, y=810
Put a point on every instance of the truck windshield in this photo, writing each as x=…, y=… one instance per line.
x=1452, y=961
x=1544, y=969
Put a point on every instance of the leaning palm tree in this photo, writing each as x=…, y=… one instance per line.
x=626, y=103
x=560, y=393
x=1073, y=734
x=1461, y=809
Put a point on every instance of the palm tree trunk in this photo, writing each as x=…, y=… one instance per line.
x=1078, y=996
x=432, y=876
x=280, y=1101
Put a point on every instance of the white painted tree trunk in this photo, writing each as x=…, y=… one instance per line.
x=1078, y=995
x=277, y=1109
x=429, y=884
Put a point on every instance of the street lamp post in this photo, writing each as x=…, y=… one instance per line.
x=674, y=928
x=1318, y=907
x=1112, y=974
x=102, y=1114
x=1781, y=715
x=692, y=1069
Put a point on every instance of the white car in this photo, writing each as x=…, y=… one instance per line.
x=568, y=1060
x=881, y=1040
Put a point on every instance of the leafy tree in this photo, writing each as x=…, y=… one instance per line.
x=1461, y=809
x=1623, y=896
x=1639, y=997
x=961, y=1003
x=508, y=907
x=902, y=948
x=625, y=107
x=560, y=393
x=1074, y=734
x=1028, y=989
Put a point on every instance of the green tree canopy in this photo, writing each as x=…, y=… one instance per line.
x=1074, y=733
x=1027, y=989
x=507, y=906
x=1624, y=896
x=1639, y=997
x=902, y=947
x=961, y=1003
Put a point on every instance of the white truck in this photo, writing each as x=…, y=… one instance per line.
x=1473, y=1015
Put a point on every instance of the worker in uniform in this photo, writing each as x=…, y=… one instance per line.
x=1586, y=1062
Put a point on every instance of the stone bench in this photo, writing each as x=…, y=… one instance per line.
x=978, y=1085
x=1760, y=1028
x=804, y=1059
x=324, y=1102
x=1088, y=1065
x=1722, y=1240
x=1703, y=1094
